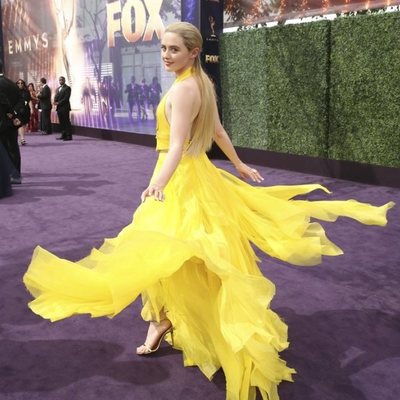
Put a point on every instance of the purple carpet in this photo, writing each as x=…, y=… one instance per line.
x=343, y=316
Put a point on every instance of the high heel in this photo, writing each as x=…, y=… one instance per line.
x=149, y=350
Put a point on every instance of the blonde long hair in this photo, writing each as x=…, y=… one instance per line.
x=203, y=127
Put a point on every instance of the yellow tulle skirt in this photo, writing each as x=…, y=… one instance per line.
x=191, y=256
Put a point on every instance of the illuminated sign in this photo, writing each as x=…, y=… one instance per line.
x=120, y=19
x=211, y=58
x=28, y=43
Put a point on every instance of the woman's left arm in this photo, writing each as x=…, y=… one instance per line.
x=224, y=143
x=182, y=100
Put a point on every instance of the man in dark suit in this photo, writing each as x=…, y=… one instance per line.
x=8, y=172
x=44, y=97
x=63, y=107
x=133, y=90
x=9, y=137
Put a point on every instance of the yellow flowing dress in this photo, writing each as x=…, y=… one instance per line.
x=192, y=256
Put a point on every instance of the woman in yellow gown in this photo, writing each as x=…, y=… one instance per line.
x=188, y=250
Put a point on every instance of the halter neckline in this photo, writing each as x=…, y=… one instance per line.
x=185, y=74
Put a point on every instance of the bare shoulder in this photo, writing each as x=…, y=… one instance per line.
x=186, y=90
x=184, y=98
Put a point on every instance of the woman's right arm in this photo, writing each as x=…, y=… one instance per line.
x=182, y=99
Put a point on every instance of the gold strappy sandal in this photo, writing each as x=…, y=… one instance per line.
x=149, y=350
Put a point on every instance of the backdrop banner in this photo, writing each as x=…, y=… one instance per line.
x=208, y=16
x=108, y=50
x=211, y=25
x=245, y=12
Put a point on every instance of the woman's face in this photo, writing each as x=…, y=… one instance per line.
x=176, y=57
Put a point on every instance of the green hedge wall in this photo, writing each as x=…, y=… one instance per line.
x=244, y=88
x=273, y=91
x=365, y=90
x=296, y=63
x=325, y=89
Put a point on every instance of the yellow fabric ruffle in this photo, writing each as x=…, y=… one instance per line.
x=192, y=256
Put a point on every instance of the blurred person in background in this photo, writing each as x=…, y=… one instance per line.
x=144, y=99
x=5, y=170
x=154, y=95
x=33, y=124
x=23, y=110
x=11, y=101
x=63, y=107
x=45, y=106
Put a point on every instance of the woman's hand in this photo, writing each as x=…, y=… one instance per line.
x=246, y=172
x=16, y=122
x=153, y=190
